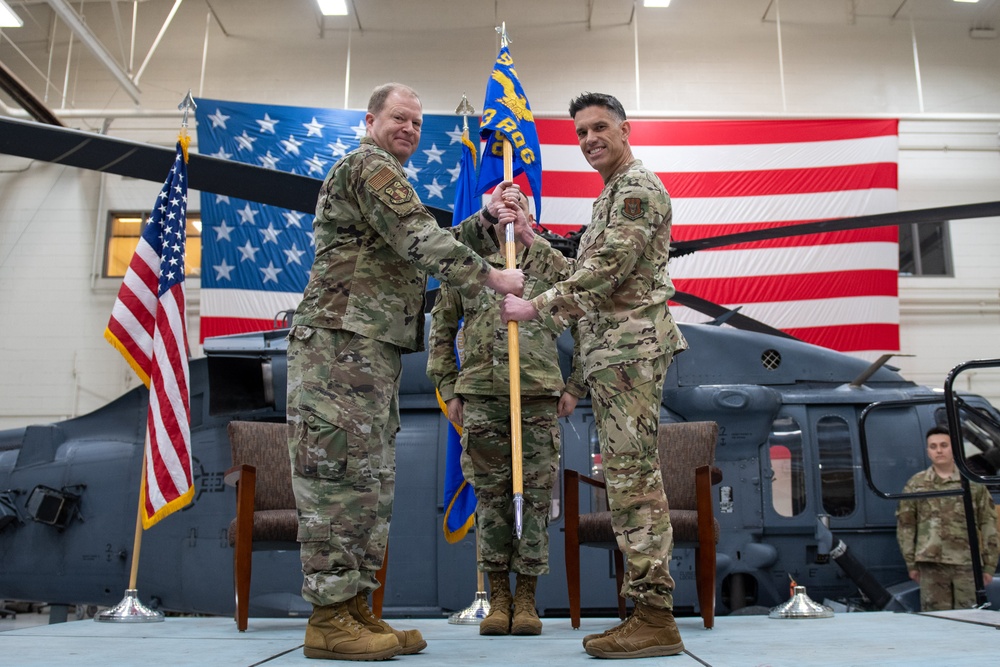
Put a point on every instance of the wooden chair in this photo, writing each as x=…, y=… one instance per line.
x=265, y=505
x=687, y=457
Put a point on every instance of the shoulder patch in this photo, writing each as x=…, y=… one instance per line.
x=381, y=178
x=632, y=208
x=388, y=182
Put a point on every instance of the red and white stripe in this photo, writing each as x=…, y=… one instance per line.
x=169, y=483
x=835, y=289
x=150, y=331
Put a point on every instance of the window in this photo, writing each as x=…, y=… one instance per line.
x=788, y=482
x=836, y=466
x=124, y=230
x=924, y=250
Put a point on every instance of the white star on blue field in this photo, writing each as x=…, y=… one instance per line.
x=250, y=246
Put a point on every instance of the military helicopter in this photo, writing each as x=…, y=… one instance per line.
x=790, y=451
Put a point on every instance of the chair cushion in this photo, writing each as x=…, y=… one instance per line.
x=270, y=526
x=596, y=531
x=685, y=525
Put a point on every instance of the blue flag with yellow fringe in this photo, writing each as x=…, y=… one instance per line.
x=507, y=114
x=459, y=496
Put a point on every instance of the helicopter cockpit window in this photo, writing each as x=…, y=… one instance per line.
x=788, y=484
x=836, y=466
x=124, y=230
x=980, y=437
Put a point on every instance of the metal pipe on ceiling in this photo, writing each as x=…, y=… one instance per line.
x=159, y=36
x=73, y=21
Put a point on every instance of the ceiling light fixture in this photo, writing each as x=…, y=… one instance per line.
x=655, y=3
x=333, y=7
x=8, y=19
x=966, y=0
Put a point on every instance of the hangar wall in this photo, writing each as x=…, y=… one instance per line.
x=54, y=362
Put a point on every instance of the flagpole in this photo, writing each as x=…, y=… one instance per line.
x=514, y=355
x=130, y=609
x=480, y=607
x=137, y=542
x=513, y=345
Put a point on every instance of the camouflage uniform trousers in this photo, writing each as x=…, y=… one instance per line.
x=944, y=586
x=486, y=464
x=344, y=411
x=626, y=402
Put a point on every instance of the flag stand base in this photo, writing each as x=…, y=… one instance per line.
x=130, y=610
x=474, y=613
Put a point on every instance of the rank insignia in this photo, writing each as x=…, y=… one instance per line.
x=632, y=208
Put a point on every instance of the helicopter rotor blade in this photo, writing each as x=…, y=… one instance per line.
x=98, y=152
x=731, y=317
x=919, y=216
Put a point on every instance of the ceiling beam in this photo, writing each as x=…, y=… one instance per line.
x=80, y=29
x=14, y=87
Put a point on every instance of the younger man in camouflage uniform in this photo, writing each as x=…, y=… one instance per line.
x=933, y=536
x=478, y=400
x=363, y=308
x=617, y=290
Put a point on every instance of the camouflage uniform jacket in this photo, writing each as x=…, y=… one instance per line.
x=618, y=286
x=375, y=243
x=485, y=365
x=933, y=530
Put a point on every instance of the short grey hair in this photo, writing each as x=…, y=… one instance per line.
x=381, y=93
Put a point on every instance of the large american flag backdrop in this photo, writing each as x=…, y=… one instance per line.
x=834, y=289
x=256, y=259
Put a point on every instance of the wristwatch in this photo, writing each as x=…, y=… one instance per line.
x=492, y=219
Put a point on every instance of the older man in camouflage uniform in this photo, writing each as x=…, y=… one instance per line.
x=363, y=308
x=617, y=290
x=478, y=400
x=933, y=534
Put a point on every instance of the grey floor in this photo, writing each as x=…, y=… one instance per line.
x=954, y=639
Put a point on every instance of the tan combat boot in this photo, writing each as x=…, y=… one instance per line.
x=333, y=634
x=648, y=632
x=525, y=621
x=410, y=641
x=497, y=622
x=609, y=631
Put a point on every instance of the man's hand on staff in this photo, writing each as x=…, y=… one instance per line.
x=506, y=281
x=515, y=215
x=517, y=309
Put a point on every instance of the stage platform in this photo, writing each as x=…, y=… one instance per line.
x=957, y=639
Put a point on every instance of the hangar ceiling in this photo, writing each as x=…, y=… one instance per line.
x=123, y=37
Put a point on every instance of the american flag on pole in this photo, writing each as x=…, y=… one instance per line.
x=148, y=327
x=838, y=289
